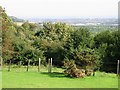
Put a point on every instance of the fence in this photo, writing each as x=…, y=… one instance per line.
x=9, y=66
x=107, y=65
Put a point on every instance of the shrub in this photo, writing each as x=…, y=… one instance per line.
x=72, y=70
x=88, y=72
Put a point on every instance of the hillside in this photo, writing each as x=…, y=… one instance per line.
x=15, y=19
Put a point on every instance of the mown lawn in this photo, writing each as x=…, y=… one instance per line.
x=19, y=78
x=0, y=79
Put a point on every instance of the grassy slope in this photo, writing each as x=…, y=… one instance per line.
x=19, y=78
x=0, y=79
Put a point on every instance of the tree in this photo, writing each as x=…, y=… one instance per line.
x=87, y=59
x=8, y=32
x=81, y=37
x=108, y=44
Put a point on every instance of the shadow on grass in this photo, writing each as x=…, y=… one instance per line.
x=54, y=74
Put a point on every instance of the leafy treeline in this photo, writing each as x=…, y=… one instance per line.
x=61, y=42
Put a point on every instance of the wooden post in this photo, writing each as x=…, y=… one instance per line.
x=48, y=65
x=9, y=67
x=39, y=65
x=28, y=65
x=118, y=68
x=1, y=64
x=51, y=65
x=93, y=72
x=20, y=63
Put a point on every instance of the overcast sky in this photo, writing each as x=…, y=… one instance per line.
x=61, y=8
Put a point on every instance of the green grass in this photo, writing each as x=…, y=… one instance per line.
x=0, y=80
x=19, y=78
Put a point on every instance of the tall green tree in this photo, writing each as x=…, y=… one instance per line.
x=107, y=44
x=8, y=32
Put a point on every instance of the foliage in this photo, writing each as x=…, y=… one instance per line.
x=72, y=70
x=7, y=36
x=87, y=58
x=108, y=44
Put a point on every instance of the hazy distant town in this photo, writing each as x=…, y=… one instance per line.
x=73, y=21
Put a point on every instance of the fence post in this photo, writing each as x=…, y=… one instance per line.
x=39, y=65
x=48, y=65
x=20, y=63
x=1, y=64
x=118, y=68
x=28, y=65
x=51, y=65
x=9, y=67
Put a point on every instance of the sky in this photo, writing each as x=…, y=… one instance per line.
x=61, y=8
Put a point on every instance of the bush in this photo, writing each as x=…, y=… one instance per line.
x=72, y=70
x=88, y=72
